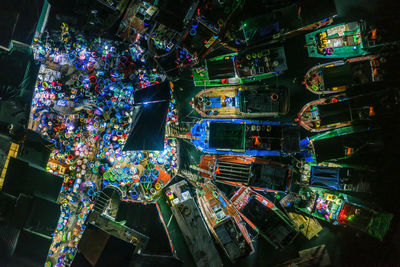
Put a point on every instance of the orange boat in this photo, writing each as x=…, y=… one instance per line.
x=259, y=174
x=224, y=222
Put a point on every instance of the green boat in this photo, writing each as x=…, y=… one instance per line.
x=338, y=209
x=339, y=145
x=338, y=41
x=253, y=64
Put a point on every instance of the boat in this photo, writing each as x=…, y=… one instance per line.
x=242, y=102
x=162, y=40
x=258, y=174
x=170, y=25
x=192, y=225
x=245, y=137
x=206, y=30
x=349, y=39
x=337, y=208
x=343, y=110
x=224, y=222
x=284, y=21
x=339, y=179
x=337, y=41
x=264, y=217
x=341, y=144
x=250, y=65
x=133, y=25
x=338, y=76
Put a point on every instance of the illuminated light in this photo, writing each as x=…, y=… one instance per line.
x=334, y=100
x=371, y=112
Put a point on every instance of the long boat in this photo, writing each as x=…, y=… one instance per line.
x=338, y=76
x=264, y=217
x=191, y=223
x=336, y=41
x=245, y=137
x=342, y=110
x=342, y=144
x=224, y=222
x=259, y=174
x=336, y=208
x=250, y=65
x=242, y=102
x=278, y=21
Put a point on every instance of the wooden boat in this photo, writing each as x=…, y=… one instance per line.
x=241, y=102
x=336, y=208
x=224, y=222
x=245, y=137
x=194, y=229
x=259, y=174
x=338, y=76
x=336, y=41
x=342, y=110
x=252, y=64
x=264, y=217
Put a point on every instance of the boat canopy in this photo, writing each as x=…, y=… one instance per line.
x=347, y=74
x=227, y=135
x=325, y=177
x=269, y=176
x=277, y=230
x=257, y=101
x=334, y=113
x=221, y=69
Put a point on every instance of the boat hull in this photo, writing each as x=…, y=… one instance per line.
x=258, y=174
x=210, y=199
x=192, y=225
x=264, y=217
x=242, y=102
x=338, y=76
x=338, y=41
x=336, y=208
x=239, y=68
x=244, y=137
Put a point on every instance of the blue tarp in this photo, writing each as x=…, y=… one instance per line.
x=325, y=177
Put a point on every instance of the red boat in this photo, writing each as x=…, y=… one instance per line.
x=264, y=217
x=224, y=222
x=259, y=174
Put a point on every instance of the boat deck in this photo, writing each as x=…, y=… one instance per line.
x=196, y=234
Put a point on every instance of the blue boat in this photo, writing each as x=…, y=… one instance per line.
x=245, y=137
